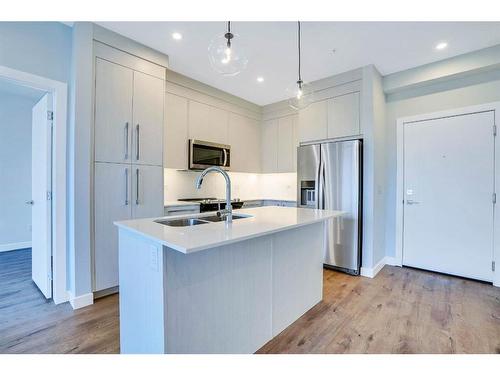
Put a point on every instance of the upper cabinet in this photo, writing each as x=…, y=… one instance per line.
x=148, y=119
x=313, y=122
x=176, y=132
x=244, y=138
x=207, y=123
x=113, y=112
x=269, y=138
x=279, y=145
x=192, y=115
x=287, y=144
x=332, y=118
x=128, y=115
x=343, y=116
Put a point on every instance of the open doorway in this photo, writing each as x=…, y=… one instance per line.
x=25, y=192
x=33, y=218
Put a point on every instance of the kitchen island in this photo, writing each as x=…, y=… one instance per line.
x=218, y=287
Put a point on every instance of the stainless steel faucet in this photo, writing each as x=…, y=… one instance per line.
x=227, y=213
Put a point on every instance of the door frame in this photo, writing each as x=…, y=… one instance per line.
x=495, y=107
x=59, y=92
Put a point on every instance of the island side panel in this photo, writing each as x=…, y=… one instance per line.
x=297, y=273
x=141, y=270
x=219, y=300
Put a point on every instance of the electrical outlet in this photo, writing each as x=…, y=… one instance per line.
x=153, y=258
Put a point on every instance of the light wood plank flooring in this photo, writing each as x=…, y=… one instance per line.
x=31, y=324
x=402, y=310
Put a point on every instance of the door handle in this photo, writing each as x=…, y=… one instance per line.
x=126, y=186
x=31, y=202
x=126, y=140
x=137, y=186
x=137, y=142
x=411, y=201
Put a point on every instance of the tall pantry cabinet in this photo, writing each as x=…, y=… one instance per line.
x=128, y=156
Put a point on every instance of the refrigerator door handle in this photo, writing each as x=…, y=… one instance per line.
x=320, y=198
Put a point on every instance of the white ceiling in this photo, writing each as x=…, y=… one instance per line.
x=272, y=52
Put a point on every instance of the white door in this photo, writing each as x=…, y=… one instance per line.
x=448, y=190
x=112, y=196
x=148, y=119
x=147, y=191
x=41, y=182
x=113, y=112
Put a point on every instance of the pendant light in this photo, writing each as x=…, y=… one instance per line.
x=226, y=56
x=300, y=93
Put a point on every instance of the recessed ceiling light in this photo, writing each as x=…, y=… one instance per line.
x=177, y=36
x=260, y=79
x=441, y=45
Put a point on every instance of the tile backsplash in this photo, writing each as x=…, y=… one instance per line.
x=181, y=184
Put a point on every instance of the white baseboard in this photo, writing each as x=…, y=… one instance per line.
x=372, y=272
x=15, y=246
x=81, y=301
x=391, y=261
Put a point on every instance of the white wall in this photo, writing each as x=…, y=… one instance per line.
x=246, y=186
x=15, y=170
x=445, y=96
x=41, y=48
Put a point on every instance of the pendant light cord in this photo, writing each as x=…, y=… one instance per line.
x=298, y=32
x=228, y=26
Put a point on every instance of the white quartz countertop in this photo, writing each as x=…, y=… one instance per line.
x=263, y=221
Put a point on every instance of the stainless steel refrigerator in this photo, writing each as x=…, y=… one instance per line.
x=329, y=176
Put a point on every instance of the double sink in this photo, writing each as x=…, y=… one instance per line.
x=191, y=221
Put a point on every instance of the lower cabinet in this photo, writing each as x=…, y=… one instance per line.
x=121, y=192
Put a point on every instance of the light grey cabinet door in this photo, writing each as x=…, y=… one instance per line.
x=147, y=191
x=175, y=150
x=148, y=119
x=287, y=144
x=244, y=136
x=207, y=123
x=313, y=122
x=270, y=146
x=112, y=199
x=343, y=116
x=113, y=112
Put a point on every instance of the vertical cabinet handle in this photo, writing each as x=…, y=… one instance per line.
x=137, y=142
x=126, y=140
x=126, y=186
x=137, y=186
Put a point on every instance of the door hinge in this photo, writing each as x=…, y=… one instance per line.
x=49, y=195
x=494, y=198
x=493, y=266
x=50, y=115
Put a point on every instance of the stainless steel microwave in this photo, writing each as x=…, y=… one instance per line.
x=208, y=154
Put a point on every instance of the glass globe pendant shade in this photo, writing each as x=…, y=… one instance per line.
x=227, y=58
x=300, y=95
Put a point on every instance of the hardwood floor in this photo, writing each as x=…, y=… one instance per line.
x=31, y=324
x=402, y=310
